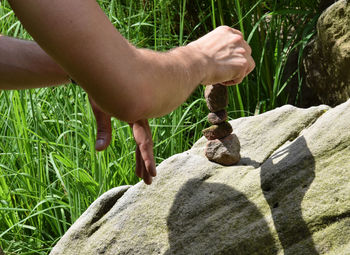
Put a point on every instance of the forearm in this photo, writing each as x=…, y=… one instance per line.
x=172, y=77
x=129, y=83
x=23, y=65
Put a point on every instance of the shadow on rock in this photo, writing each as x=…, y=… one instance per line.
x=213, y=218
x=285, y=178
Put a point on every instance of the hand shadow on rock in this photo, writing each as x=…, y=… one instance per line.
x=214, y=218
x=285, y=178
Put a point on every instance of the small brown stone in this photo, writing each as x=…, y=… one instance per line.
x=224, y=151
x=217, y=117
x=216, y=97
x=218, y=131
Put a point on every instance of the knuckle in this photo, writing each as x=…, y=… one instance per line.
x=244, y=62
x=241, y=51
x=253, y=64
x=237, y=40
x=145, y=145
x=237, y=32
x=239, y=37
x=225, y=28
x=249, y=48
x=148, y=165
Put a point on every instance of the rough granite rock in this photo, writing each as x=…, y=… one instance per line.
x=289, y=194
x=218, y=131
x=327, y=62
x=216, y=97
x=224, y=151
x=217, y=117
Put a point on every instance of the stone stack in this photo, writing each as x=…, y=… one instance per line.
x=223, y=147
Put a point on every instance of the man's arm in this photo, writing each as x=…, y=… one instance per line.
x=24, y=65
x=129, y=83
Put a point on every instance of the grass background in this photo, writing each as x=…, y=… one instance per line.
x=49, y=170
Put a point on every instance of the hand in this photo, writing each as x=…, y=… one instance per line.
x=145, y=165
x=103, y=123
x=226, y=54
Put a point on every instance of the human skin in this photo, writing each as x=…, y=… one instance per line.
x=129, y=83
x=24, y=65
x=123, y=81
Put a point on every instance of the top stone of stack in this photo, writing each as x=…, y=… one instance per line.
x=216, y=97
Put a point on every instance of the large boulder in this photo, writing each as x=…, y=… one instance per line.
x=289, y=194
x=327, y=62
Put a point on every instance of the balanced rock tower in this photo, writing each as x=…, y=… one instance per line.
x=222, y=147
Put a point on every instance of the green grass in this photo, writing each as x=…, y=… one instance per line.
x=49, y=170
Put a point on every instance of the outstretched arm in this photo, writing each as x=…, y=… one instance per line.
x=24, y=65
x=129, y=83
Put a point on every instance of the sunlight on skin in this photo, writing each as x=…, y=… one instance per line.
x=25, y=60
x=220, y=55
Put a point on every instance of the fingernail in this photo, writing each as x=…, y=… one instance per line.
x=153, y=172
x=99, y=144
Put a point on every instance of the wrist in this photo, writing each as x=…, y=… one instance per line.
x=195, y=62
x=168, y=78
x=200, y=60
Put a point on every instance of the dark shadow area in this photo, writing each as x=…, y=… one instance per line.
x=246, y=161
x=213, y=218
x=285, y=178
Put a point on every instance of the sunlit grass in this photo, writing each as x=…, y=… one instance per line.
x=49, y=170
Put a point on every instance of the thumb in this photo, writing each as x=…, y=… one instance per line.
x=104, y=130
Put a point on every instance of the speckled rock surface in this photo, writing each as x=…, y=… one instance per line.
x=327, y=63
x=289, y=194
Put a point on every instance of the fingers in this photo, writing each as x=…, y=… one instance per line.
x=140, y=166
x=250, y=65
x=231, y=82
x=139, y=163
x=229, y=56
x=147, y=156
x=145, y=164
x=143, y=138
x=247, y=62
x=104, y=130
x=141, y=170
x=230, y=29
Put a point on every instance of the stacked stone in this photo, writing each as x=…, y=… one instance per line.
x=223, y=147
